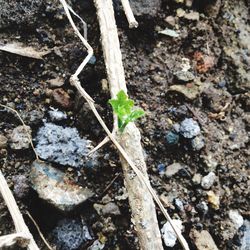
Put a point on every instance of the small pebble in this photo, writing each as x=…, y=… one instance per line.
x=62, y=98
x=161, y=168
x=172, y=138
x=189, y=128
x=197, y=179
x=213, y=199
x=208, y=180
x=21, y=186
x=173, y=169
x=111, y=209
x=168, y=234
x=3, y=141
x=202, y=207
x=236, y=218
x=20, y=137
x=198, y=143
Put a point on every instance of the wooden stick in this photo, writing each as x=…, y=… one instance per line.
x=76, y=83
x=15, y=213
x=129, y=14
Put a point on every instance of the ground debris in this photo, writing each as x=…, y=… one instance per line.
x=23, y=50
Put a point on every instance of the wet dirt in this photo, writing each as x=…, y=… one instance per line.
x=216, y=47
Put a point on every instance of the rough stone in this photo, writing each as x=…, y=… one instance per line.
x=198, y=143
x=62, y=98
x=213, y=199
x=190, y=91
x=168, y=233
x=193, y=16
x=110, y=209
x=189, y=128
x=20, y=137
x=63, y=146
x=236, y=218
x=173, y=169
x=70, y=234
x=172, y=138
x=197, y=179
x=3, y=141
x=56, y=82
x=53, y=186
x=208, y=180
x=184, y=76
x=203, y=240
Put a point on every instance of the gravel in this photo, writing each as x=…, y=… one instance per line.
x=189, y=128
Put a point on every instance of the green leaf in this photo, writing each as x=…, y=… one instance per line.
x=122, y=107
x=136, y=114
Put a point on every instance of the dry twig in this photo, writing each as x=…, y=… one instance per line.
x=39, y=231
x=75, y=82
x=129, y=14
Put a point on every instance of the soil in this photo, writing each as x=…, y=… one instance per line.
x=217, y=47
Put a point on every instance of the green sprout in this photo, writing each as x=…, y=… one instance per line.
x=123, y=108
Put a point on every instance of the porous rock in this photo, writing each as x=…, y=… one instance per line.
x=62, y=145
x=189, y=128
x=70, y=234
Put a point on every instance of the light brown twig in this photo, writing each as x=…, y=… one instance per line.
x=129, y=14
x=75, y=82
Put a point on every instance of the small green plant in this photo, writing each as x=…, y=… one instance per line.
x=123, y=108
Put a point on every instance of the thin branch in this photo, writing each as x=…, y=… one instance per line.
x=129, y=14
x=15, y=213
x=39, y=231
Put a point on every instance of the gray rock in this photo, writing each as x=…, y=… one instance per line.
x=110, y=209
x=34, y=117
x=245, y=242
x=184, y=76
x=70, y=234
x=21, y=186
x=236, y=218
x=198, y=143
x=62, y=145
x=168, y=234
x=208, y=180
x=52, y=186
x=20, y=137
x=3, y=141
x=189, y=128
x=145, y=7
x=203, y=240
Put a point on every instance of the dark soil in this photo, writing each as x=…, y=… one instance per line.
x=221, y=107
